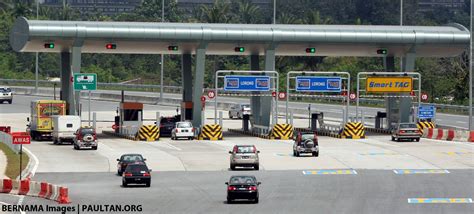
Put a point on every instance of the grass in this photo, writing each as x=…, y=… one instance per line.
x=13, y=161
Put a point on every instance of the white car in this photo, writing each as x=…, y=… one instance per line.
x=238, y=110
x=6, y=94
x=182, y=130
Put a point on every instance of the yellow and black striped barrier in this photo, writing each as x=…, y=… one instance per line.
x=353, y=130
x=425, y=125
x=148, y=133
x=282, y=132
x=211, y=132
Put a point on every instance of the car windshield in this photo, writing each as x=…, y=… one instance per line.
x=307, y=137
x=242, y=180
x=408, y=125
x=132, y=158
x=137, y=168
x=184, y=125
x=5, y=90
x=245, y=149
x=87, y=131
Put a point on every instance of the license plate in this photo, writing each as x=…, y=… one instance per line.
x=245, y=157
x=138, y=179
x=242, y=188
x=184, y=130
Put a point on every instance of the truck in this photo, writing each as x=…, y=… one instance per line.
x=64, y=127
x=40, y=124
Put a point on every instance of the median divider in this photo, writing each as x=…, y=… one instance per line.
x=281, y=132
x=148, y=133
x=27, y=187
x=425, y=125
x=448, y=134
x=353, y=130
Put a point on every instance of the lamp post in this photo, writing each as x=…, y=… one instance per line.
x=36, y=54
x=162, y=58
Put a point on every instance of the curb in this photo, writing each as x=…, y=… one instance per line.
x=32, y=166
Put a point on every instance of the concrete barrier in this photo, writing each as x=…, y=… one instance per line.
x=27, y=187
x=448, y=135
x=7, y=139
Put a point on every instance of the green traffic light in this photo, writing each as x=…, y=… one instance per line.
x=51, y=45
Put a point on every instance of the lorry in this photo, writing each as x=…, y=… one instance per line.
x=64, y=127
x=40, y=124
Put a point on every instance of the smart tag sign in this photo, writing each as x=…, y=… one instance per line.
x=246, y=83
x=318, y=84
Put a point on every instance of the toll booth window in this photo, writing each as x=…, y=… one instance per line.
x=130, y=115
x=69, y=125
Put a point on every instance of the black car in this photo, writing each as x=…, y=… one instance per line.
x=242, y=187
x=126, y=159
x=167, y=124
x=136, y=173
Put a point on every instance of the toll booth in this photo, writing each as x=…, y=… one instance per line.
x=316, y=118
x=187, y=110
x=131, y=117
x=379, y=119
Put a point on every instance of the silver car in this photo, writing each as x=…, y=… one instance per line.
x=6, y=94
x=182, y=130
x=406, y=131
x=244, y=156
x=238, y=110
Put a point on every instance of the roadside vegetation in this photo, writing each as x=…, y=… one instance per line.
x=444, y=79
x=13, y=161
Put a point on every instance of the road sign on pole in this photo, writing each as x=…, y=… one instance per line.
x=281, y=95
x=426, y=111
x=211, y=94
x=318, y=84
x=246, y=83
x=352, y=96
x=424, y=97
x=85, y=82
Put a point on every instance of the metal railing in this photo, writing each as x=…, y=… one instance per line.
x=457, y=109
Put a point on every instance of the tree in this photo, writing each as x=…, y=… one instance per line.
x=218, y=13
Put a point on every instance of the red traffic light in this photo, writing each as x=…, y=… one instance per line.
x=110, y=46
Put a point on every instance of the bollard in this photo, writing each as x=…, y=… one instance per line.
x=94, y=120
x=24, y=187
x=44, y=190
x=158, y=118
x=220, y=118
x=7, y=186
x=63, y=195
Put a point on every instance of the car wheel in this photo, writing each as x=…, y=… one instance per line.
x=191, y=138
x=229, y=200
x=148, y=184
x=124, y=184
x=257, y=167
x=76, y=147
x=55, y=142
x=294, y=153
x=256, y=200
x=417, y=139
x=297, y=154
x=94, y=148
x=10, y=102
x=230, y=115
x=316, y=154
x=398, y=139
x=232, y=167
x=119, y=172
x=393, y=138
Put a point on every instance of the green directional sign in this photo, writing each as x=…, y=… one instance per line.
x=85, y=82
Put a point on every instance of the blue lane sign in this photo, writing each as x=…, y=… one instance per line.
x=426, y=111
x=246, y=83
x=318, y=84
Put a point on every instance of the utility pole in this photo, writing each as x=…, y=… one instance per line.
x=162, y=58
x=470, y=73
x=36, y=54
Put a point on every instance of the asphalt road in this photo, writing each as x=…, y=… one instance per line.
x=369, y=191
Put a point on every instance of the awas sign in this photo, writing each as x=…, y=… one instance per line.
x=246, y=83
x=21, y=139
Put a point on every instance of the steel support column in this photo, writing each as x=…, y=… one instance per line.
x=406, y=102
x=66, y=86
x=255, y=101
x=75, y=97
x=266, y=102
x=198, y=84
x=187, y=85
x=391, y=105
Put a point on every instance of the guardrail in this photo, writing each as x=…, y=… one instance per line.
x=7, y=139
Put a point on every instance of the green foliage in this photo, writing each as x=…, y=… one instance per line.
x=441, y=78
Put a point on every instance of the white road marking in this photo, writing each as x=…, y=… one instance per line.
x=171, y=146
x=35, y=167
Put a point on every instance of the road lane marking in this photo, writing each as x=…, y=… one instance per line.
x=457, y=153
x=439, y=200
x=420, y=171
x=282, y=154
x=330, y=172
x=379, y=153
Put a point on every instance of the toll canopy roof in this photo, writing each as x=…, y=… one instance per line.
x=291, y=40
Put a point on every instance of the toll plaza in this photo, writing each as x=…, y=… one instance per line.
x=72, y=38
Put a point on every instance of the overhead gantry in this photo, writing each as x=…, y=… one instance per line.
x=72, y=38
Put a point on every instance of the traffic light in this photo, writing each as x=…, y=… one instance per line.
x=173, y=48
x=49, y=45
x=310, y=50
x=111, y=46
x=239, y=49
x=382, y=51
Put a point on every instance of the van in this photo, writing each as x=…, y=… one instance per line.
x=64, y=127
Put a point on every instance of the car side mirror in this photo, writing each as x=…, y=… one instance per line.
x=149, y=170
x=118, y=159
x=28, y=119
x=227, y=183
x=144, y=159
x=230, y=152
x=258, y=183
x=258, y=151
